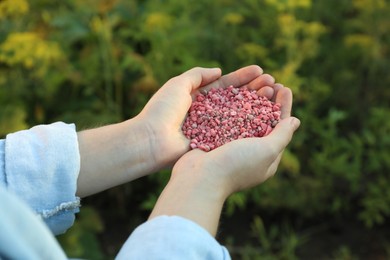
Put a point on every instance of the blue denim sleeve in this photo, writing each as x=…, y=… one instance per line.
x=23, y=234
x=172, y=237
x=41, y=166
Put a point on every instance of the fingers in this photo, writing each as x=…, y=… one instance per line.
x=263, y=85
x=204, y=75
x=237, y=78
x=195, y=78
x=174, y=98
x=284, y=97
x=261, y=81
x=281, y=135
x=277, y=93
x=267, y=92
x=276, y=87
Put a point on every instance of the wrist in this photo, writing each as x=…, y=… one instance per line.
x=139, y=141
x=191, y=197
x=165, y=144
x=112, y=155
x=201, y=175
x=200, y=184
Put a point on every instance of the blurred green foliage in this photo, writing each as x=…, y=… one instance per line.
x=98, y=62
x=81, y=241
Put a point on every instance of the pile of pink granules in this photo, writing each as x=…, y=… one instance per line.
x=224, y=115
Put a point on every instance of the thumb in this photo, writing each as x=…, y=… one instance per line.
x=281, y=135
x=195, y=78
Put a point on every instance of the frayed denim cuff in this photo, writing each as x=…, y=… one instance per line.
x=41, y=166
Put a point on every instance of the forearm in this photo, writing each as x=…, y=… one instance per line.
x=113, y=155
x=191, y=197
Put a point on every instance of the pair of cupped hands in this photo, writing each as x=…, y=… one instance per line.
x=235, y=166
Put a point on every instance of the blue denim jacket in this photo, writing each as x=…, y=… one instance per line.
x=38, y=179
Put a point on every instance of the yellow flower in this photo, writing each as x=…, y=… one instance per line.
x=13, y=8
x=233, y=18
x=251, y=51
x=29, y=50
x=289, y=4
x=360, y=40
x=158, y=21
x=369, y=5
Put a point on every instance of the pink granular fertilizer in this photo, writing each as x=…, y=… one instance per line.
x=223, y=115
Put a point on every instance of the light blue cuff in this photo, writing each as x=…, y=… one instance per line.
x=172, y=237
x=23, y=235
x=2, y=164
x=41, y=167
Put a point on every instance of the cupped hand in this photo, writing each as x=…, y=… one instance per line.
x=164, y=114
x=242, y=163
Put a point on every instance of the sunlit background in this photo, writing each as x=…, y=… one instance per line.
x=96, y=62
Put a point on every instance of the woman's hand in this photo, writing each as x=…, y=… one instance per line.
x=165, y=112
x=119, y=153
x=201, y=181
x=247, y=162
